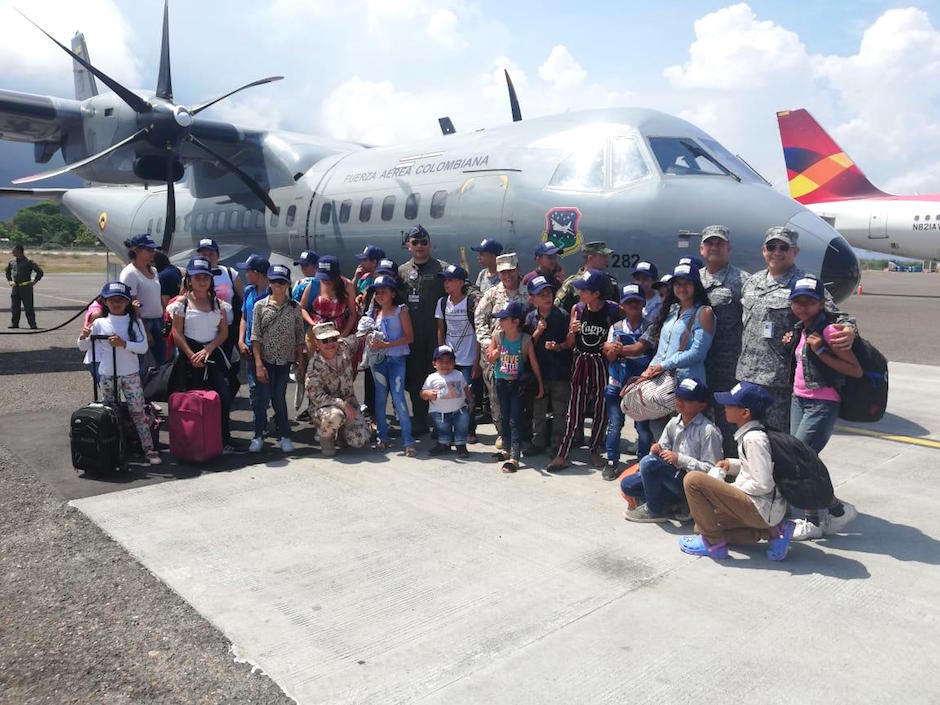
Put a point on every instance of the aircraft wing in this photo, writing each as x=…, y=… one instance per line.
x=34, y=194
x=25, y=117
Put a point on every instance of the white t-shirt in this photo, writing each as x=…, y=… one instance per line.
x=451, y=390
x=460, y=333
x=145, y=290
x=224, y=287
x=126, y=357
x=201, y=326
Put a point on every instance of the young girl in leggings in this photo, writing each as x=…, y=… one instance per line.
x=126, y=335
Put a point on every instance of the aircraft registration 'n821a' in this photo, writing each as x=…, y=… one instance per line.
x=643, y=181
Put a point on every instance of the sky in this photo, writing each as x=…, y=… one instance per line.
x=383, y=71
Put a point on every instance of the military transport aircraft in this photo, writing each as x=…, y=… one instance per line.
x=642, y=180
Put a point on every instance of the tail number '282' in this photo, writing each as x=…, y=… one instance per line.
x=624, y=260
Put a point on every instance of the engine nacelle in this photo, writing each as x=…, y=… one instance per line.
x=153, y=168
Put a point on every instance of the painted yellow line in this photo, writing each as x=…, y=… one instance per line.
x=910, y=440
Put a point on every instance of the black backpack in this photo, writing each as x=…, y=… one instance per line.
x=865, y=398
x=801, y=476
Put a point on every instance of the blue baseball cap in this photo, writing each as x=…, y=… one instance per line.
x=141, y=240
x=693, y=260
x=547, y=248
x=513, y=309
x=199, y=265
x=748, y=396
x=442, y=350
x=808, y=286
x=691, y=389
x=371, y=252
x=384, y=282
x=116, y=289
x=279, y=273
x=538, y=284
x=255, y=263
x=327, y=268
x=631, y=292
x=387, y=266
x=491, y=246
x=592, y=279
x=454, y=271
x=689, y=272
x=207, y=243
x=663, y=281
x=307, y=257
x=646, y=268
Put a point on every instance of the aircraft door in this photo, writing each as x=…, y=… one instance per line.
x=481, y=205
x=877, y=226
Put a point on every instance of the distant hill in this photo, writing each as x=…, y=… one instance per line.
x=44, y=226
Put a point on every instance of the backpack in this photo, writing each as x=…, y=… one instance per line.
x=803, y=479
x=471, y=308
x=865, y=398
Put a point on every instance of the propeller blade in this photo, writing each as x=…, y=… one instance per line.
x=247, y=180
x=164, y=79
x=513, y=99
x=84, y=162
x=138, y=104
x=260, y=82
x=170, y=223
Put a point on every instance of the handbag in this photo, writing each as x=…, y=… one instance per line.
x=162, y=381
x=655, y=397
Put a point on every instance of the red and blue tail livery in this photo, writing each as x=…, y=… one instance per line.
x=817, y=168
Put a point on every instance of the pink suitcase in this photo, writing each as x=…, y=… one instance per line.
x=195, y=426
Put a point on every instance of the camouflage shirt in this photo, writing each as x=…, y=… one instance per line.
x=724, y=294
x=567, y=295
x=766, y=317
x=330, y=380
x=495, y=299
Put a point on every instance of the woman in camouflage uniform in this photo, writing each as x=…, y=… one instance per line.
x=334, y=407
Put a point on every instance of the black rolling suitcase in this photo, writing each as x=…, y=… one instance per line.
x=96, y=433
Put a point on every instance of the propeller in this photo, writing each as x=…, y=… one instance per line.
x=164, y=126
x=513, y=98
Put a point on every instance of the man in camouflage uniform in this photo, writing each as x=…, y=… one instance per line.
x=510, y=288
x=596, y=256
x=723, y=283
x=19, y=273
x=766, y=317
x=420, y=290
x=335, y=410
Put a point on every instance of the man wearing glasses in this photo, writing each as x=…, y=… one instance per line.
x=765, y=300
x=420, y=288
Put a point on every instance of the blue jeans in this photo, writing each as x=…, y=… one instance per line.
x=467, y=372
x=813, y=420
x=274, y=392
x=658, y=482
x=510, y=414
x=389, y=376
x=452, y=427
x=157, y=347
x=614, y=426
x=644, y=438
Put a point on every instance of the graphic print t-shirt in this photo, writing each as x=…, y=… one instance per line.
x=594, y=327
x=509, y=365
x=451, y=388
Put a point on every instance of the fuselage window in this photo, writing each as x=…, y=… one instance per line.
x=582, y=170
x=159, y=225
x=365, y=210
x=274, y=218
x=187, y=221
x=210, y=221
x=259, y=220
x=388, y=208
x=438, y=201
x=926, y=217
x=291, y=214
x=150, y=226
x=682, y=157
x=344, y=209
x=221, y=223
x=200, y=221
x=411, y=206
x=325, y=210
x=916, y=218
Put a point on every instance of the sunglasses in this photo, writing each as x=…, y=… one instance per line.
x=420, y=242
x=775, y=246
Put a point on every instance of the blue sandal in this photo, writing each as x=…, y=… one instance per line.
x=780, y=546
x=696, y=545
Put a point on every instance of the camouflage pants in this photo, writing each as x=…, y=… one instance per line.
x=331, y=420
x=778, y=415
x=489, y=381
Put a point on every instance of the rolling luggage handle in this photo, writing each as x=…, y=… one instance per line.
x=94, y=364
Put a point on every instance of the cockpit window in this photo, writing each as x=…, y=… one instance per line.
x=683, y=156
x=734, y=163
x=626, y=162
x=582, y=170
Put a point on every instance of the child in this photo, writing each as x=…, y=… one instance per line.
x=368, y=260
x=335, y=410
x=591, y=319
x=448, y=392
x=127, y=336
x=454, y=314
x=818, y=371
x=308, y=266
x=510, y=351
x=750, y=509
x=689, y=443
x=95, y=310
x=394, y=321
x=549, y=324
x=621, y=370
x=277, y=340
x=256, y=274
x=644, y=275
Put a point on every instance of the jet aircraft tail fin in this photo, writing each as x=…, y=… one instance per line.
x=817, y=168
x=85, y=86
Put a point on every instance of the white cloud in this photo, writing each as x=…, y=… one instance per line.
x=442, y=28
x=370, y=111
x=560, y=69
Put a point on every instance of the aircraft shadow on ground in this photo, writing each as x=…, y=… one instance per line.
x=19, y=362
x=890, y=423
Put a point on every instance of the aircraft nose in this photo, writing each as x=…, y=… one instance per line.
x=840, y=270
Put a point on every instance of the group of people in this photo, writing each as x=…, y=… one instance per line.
x=545, y=351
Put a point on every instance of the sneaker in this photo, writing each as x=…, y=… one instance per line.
x=834, y=524
x=233, y=446
x=806, y=530
x=611, y=471
x=462, y=452
x=642, y=515
x=681, y=512
x=780, y=546
x=696, y=545
x=439, y=449
x=256, y=445
x=286, y=445
x=153, y=457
